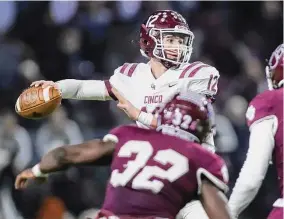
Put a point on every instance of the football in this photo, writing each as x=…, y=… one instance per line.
x=38, y=102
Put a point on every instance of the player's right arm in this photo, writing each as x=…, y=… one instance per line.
x=79, y=89
x=90, y=89
x=96, y=151
x=261, y=144
x=104, y=90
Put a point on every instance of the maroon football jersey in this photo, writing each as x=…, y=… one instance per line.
x=156, y=175
x=267, y=104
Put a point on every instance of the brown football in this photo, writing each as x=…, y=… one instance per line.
x=38, y=102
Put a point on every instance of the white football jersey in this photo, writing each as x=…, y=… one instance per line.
x=137, y=84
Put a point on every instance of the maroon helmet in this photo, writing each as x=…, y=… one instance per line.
x=188, y=115
x=274, y=69
x=153, y=32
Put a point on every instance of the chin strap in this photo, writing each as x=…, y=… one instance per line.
x=169, y=65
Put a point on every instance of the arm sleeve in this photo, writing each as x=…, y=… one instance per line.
x=255, y=166
x=84, y=89
x=212, y=167
x=216, y=173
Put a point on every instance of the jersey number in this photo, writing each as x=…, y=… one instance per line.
x=141, y=174
x=212, y=84
x=150, y=21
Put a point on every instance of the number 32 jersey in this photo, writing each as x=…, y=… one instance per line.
x=137, y=84
x=156, y=175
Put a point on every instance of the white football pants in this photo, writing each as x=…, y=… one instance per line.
x=192, y=210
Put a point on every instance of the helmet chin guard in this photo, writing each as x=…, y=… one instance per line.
x=162, y=52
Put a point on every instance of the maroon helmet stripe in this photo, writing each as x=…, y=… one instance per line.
x=132, y=69
x=196, y=70
x=188, y=68
x=108, y=87
x=122, y=70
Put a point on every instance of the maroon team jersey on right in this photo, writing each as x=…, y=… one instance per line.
x=156, y=175
x=267, y=104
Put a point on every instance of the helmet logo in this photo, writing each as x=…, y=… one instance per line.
x=180, y=27
x=250, y=114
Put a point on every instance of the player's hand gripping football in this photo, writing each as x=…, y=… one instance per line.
x=123, y=104
x=22, y=179
x=45, y=84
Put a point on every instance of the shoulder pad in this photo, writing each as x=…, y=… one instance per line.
x=211, y=167
x=128, y=69
x=191, y=69
x=116, y=131
x=259, y=107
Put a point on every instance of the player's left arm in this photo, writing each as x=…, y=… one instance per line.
x=134, y=113
x=214, y=201
x=119, y=87
x=212, y=179
x=261, y=144
x=96, y=151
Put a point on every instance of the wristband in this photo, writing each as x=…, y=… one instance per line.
x=37, y=172
x=145, y=118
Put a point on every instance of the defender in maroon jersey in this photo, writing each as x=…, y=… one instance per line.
x=154, y=173
x=158, y=174
x=265, y=120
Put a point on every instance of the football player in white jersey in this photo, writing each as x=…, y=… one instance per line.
x=166, y=40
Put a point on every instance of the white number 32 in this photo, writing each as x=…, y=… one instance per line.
x=144, y=151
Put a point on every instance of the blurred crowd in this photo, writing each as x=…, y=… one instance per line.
x=88, y=40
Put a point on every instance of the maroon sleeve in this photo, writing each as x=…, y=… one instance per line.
x=108, y=87
x=259, y=107
x=213, y=168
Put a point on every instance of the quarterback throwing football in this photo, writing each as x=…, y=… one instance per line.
x=165, y=38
